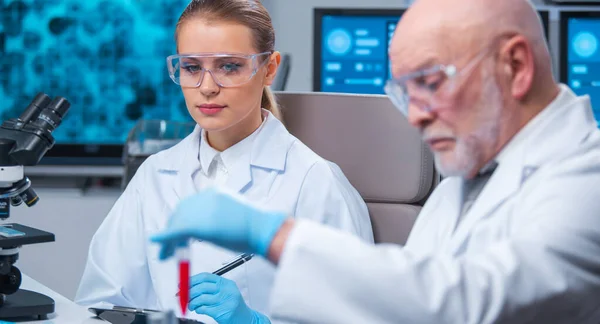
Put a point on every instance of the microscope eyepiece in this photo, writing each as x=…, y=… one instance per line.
x=52, y=115
x=32, y=111
x=60, y=106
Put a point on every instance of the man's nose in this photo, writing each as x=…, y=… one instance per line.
x=419, y=116
x=208, y=85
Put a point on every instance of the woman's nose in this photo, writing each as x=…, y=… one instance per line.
x=208, y=85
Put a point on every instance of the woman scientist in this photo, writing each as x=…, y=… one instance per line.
x=225, y=62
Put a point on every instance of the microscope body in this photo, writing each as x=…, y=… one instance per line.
x=23, y=142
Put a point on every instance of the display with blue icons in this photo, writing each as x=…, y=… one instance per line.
x=351, y=49
x=580, y=59
x=545, y=17
x=108, y=58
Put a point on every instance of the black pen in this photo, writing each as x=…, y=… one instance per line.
x=234, y=264
x=243, y=258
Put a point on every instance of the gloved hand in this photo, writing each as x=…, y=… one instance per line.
x=222, y=219
x=221, y=299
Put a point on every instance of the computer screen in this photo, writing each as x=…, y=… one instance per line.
x=351, y=49
x=580, y=54
x=350, y=52
x=545, y=16
x=108, y=58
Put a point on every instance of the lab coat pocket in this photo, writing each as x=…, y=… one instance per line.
x=163, y=274
x=155, y=223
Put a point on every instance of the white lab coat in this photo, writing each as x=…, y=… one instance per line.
x=281, y=174
x=528, y=251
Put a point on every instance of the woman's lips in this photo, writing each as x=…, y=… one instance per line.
x=210, y=109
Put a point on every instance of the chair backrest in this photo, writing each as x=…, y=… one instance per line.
x=378, y=151
x=283, y=73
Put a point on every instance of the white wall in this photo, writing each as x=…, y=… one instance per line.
x=73, y=217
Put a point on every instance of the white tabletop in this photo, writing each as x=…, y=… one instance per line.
x=65, y=311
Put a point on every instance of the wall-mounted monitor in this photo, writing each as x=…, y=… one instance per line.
x=580, y=54
x=108, y=58
x=545, y=16
x=350, y=51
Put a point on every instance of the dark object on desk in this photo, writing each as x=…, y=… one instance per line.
x=23, y=142
x=25, y=303
x=15, y=302
x=126, y=315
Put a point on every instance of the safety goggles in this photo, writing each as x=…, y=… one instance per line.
x=227, y=70
x=425, y=88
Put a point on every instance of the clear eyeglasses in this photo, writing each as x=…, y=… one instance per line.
x=226, y=69
x=425, y=87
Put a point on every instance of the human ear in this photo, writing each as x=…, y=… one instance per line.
x=519, y=65
x=272, y=66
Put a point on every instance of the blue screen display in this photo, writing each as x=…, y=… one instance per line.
x=354, y=55
x=584, y=59
x=107, y=57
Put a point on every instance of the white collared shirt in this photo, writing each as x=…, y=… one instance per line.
x=213, y=168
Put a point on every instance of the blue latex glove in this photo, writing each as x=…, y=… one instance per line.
x=222, y=219
x=221, y=299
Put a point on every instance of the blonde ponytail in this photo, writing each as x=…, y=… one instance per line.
x=269, y=103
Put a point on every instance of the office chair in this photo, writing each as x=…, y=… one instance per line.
x=382, y=156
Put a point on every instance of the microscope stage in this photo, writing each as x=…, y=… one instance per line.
x=32, y=236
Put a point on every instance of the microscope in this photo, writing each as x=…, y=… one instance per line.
x=23, y=142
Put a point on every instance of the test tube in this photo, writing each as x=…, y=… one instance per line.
x=183, y=257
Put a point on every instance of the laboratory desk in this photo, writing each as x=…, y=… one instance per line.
x=65, y=311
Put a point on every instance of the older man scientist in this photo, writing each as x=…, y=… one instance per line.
x=511, y=235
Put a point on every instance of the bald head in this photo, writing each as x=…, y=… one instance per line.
x=448, y=29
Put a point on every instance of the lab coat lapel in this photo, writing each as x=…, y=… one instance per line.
x=269, y=151
x=449, y=207
x=504, y=182
x=239, y=178
x=185, y=186
x=188, y=150
x=545, y=143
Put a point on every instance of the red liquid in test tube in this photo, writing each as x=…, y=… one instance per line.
x=184, y=279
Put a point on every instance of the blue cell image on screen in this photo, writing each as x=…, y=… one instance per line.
x=584, y=59
x=354, y=53
x=108, y=58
